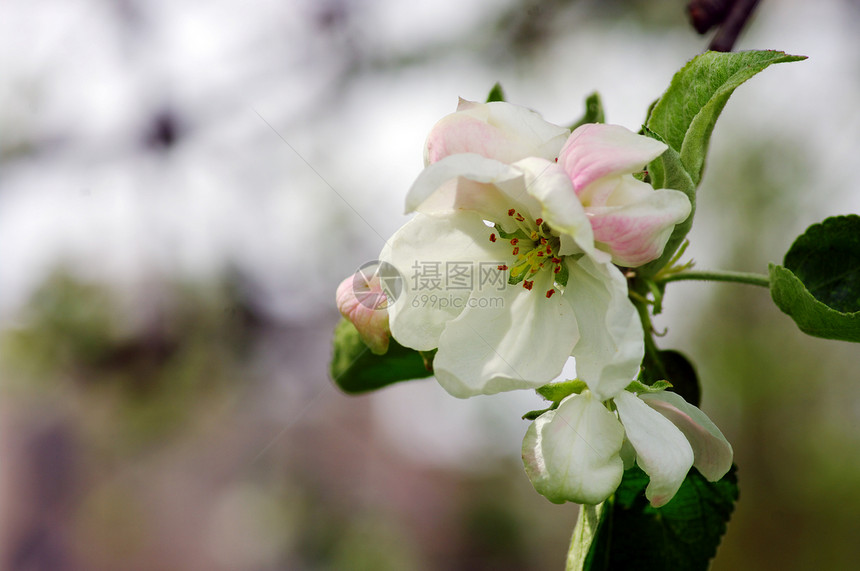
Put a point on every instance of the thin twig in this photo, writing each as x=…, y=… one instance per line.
x=737, y=18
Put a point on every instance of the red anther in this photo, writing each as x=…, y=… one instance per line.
x=556, y=260
x=556, y=270
x=502, y=267
x=548, y=250
x=516, y=251
x=514, y=241
x=539, y=221
x=528, y=284
x=520, y=217
x=492, y=237
x=549, y=293
x=556, y=159
x=540, y=254
x=511, y=212
x=543, y=241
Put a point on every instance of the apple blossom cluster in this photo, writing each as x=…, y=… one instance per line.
x=546, y=219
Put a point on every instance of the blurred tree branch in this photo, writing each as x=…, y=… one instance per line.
x=730, y=16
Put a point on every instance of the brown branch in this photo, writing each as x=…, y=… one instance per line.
x=738, y=16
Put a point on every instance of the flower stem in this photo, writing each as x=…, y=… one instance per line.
x=718, y=276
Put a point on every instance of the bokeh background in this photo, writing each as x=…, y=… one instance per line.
x=184, y=183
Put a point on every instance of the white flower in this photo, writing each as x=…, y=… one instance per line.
x=558, y=296
x=574, y=453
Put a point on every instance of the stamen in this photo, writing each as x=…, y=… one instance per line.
x=514, y=241
x=519, y=217
x=528, y=284
x=511, y=212
x=556, y=269
x=503, y=267
x=539, y=221
x=516, y=251
x=493, y=237
x=542, y=240
x=555, y=260
x=549, y=293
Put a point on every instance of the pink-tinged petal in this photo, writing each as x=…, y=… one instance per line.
x=361, y=300
x=636, y=233
x=713, y=453
x=662, y=451
x=497, y=130
x=594, y=151
x=572, y=453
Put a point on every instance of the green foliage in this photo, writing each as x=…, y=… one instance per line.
x=684, y=118
x=630, y=534
x=819, y=284
x=496, y=93
x=593, y=111
x=685, y=115
x=356, y=370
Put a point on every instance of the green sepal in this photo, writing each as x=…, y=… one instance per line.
x=355, y=369
x=640, y=388
x=496, y=93
x=533, y=414
x=593, y=111
x=557, y=392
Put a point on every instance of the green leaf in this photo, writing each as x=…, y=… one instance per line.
x=356, y=370
x=819, y=286
x=826, y=258
x=683, y=534
x=672, y=366
x=685, y=115
x=667, y=171
x=593, y=111
x=496, y=93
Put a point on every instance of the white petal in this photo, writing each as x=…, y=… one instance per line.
x=497, y=130
x=611, y=344
x=425, y=246
x=635, y=227
x=594, y=151
x=506, y=340
x=559, y=205
x=572, y=453
x=713, y=453
x=662, y=451
x=483, y=198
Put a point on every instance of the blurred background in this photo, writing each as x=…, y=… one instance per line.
x=184, y=184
